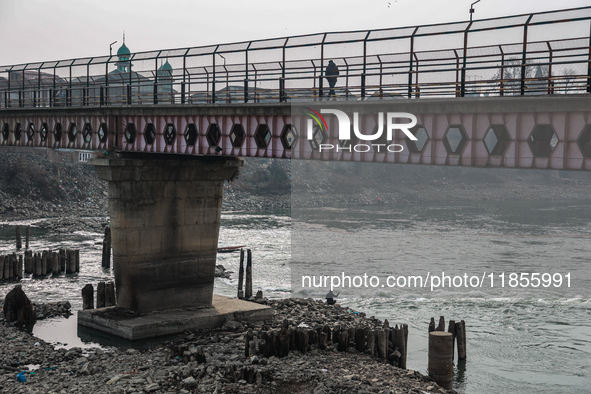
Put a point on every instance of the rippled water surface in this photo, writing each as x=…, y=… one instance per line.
x=519, y=340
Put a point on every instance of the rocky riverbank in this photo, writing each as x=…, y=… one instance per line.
x=211, y=361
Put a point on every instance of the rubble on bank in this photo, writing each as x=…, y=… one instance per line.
x=209, y=361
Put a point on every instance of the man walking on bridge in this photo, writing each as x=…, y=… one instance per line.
x=331, y=73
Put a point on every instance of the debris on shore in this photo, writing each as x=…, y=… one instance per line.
x=210, y=361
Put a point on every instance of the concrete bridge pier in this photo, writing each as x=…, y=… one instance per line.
x=165, y=218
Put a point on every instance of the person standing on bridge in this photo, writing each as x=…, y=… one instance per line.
x=331, y=73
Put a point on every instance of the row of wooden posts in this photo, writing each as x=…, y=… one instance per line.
x=388, y=344
x=105, y=295
x=441, y=349
x=39, y=264
x=245, y=293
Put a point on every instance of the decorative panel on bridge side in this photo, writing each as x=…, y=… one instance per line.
x=512, y=132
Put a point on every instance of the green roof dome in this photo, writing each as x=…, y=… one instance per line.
x=124, y=50
x=166, y=67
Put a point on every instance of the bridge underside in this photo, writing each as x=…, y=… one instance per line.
x=550, y=132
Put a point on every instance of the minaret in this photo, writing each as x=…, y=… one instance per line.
x=124, y=54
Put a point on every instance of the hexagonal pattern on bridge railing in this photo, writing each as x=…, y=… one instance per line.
x=237, y=135
x=5, y=131
x=57, y=132
x=130, y=133
x=213, y=134
x=584, y=141
x=455, y=139
x=169, y=133
x=262, y=136
x=17, y=132
x=318, y=137
x=150, y=134
x=191, y=134
x=420, y=133
x=542, y=140
x=496, y=140
x=31, y=132
x=103, y=132
x=289, y=136
x=72, y=132
x=43, y=131
x=87, y=132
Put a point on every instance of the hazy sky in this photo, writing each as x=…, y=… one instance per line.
x=37, y=30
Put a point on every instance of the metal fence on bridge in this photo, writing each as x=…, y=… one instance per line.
x=540, y=53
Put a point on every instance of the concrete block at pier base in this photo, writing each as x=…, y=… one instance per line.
x=132, y=326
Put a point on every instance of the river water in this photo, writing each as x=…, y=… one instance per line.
x=519, y=339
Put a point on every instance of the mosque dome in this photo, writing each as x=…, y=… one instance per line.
x=123, y=51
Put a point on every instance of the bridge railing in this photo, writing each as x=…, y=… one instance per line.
x=540, y=53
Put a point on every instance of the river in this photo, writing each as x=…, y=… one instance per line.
x=519, y=339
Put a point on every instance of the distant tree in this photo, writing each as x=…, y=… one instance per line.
x=569, y=79
x=510, y=74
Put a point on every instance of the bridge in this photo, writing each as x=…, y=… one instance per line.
x=168, y=126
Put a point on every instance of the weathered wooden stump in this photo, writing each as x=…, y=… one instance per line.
x=248, y=287
x=461, y=338
x=241, y=275
x=109, y=294
x=27, y=236
x=440, y=358
x=100, y=295
x=28, y=262
x=106, y=257
x=19, y=241
x=88, y=297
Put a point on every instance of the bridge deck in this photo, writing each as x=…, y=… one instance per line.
x=552, y=132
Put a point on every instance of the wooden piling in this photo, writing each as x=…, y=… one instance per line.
x=55, y=263
x=19, y=267
x=441, y=326
x=440, y=358
x=284, y=339
x=19, y=241
x=37, y=264
x=77, y=260
x=70, y=261
x=241, y=275
x=371, y=342
x=403, y=338
x=360, y=340
x=62, y=253
x=322, y=341
x=44, y=263
x=28, y=262
x=248, y=288
x=27, y=235
x=461, y=338
x=452, y=328
x=382, y=344
x=343, y=341
x=10, y=266
x=100, y=295
x=432, y=325
x=247, y=339
x=106, y=258
x=88, y=297
x=109, y=294
x=1, y=267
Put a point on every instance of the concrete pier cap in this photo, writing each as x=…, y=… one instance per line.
x=165, y=218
